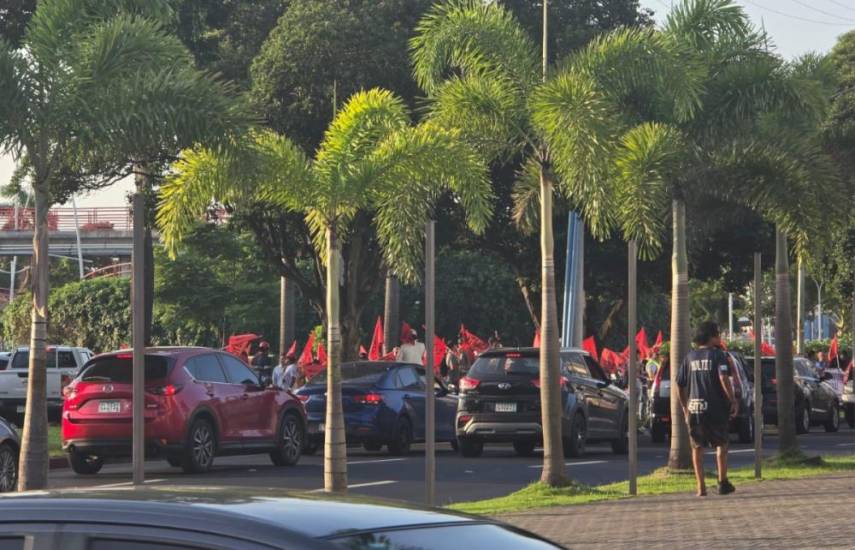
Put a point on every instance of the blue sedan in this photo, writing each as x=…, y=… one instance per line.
x=384, y=404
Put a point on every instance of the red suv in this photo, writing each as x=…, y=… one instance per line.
x=199, y=403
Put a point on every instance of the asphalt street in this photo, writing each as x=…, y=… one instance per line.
x=498, y=472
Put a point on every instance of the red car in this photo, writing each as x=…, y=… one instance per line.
x=199, y=403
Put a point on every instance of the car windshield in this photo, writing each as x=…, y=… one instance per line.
x=355, y=373
x=505, y=364
x=118, y=369
x=22, y=359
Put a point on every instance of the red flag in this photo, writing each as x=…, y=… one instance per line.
x=376, y=349
x=766, y=350
x=590, y=345
x=609, y=360
x=536, y=343
x=832, y=351
x=306, y=357
x=406, y=333
x=439, y=350
x=658, y=344
x=293, y=349
x=362, y=350
x=641, y=343
x=388, y=357
x=322, y=354
x=472, y=345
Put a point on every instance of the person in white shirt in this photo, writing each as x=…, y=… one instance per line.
x=286, y=372
x=412, y=351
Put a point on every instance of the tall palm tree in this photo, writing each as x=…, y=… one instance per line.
x=89, y=82
x=371, y=160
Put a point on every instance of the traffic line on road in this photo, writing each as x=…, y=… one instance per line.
x=126, y=484
x=360, y=485
x=355, y=462
x=585, y=463
x=846, y=445
x=732, y=452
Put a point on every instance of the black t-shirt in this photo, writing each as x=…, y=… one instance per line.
x=708, y=403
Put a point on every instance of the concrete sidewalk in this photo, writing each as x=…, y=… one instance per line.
x=809, y=513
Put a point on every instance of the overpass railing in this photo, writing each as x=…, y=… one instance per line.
x=62, y=219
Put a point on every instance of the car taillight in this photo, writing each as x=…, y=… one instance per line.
x=368, y=399
x=303, y=397
x=463, y=419
x=467, y=384
x=774, y=381
x=167, y=390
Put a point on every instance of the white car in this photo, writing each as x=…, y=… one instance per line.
x=63, y=362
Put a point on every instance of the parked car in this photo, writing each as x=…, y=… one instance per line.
x=815, y=400
x=743, y=389
x=10, y=447
x=178, y=518
x=4, y=359
x=199, y=403
x=849, y=402
x=63, y=363
x=384, y=404
x=500, y=403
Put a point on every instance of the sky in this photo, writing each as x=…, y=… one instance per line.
x=795, y=27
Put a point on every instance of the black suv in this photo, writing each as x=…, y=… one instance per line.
x=500, y=402
x=743, y=388
x=815, y=400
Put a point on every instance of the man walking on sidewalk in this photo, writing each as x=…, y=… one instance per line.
x=708, y=403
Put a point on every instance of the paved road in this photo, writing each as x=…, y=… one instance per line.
x=498, y=472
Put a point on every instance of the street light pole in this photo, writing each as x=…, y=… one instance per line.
x=138, y=312
x=430, y=433
x=758, y=375
x=632, y=425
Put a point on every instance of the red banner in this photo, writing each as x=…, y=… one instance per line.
x=376, y=349
x=306, y=357
x=590, y=345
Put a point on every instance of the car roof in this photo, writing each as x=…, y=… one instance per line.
x=167, y=351
x=272, y=510
x=525, y=351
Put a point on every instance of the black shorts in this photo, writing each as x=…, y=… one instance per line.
x=709, y=434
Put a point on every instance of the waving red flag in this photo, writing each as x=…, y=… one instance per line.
x=439, y=350
x=406, y=333
x=832, y=350
x=362, y=351
x=376, y=349
x=292, y=350
x=322, y=354
x=306, y=357
x=536, y=343
x=658, y=344
x=641, y=343
x=590, y=345
x=766, y=350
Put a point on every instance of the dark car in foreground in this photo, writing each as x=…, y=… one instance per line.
x=384, y=404
x=849, y=402
x=199, y=403
x=743, y=388
x=184, y=518
x=500, y=403
x=10, y=448
x=815, y=401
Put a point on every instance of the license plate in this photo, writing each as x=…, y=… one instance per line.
x=506, y=407
x=109, y=407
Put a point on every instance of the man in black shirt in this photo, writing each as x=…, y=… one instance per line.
x=708, y=402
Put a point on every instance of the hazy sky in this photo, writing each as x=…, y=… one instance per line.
x=795, y=27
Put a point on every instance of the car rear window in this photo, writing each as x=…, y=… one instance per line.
x=21, y=359
x=118, y=369
x=500, y=365
x=355, y=373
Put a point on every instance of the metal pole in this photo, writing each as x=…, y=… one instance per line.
x=632, y=426
x=14, y=259
x=138, y=310
x=819, y=312
x=800, y=309
x=730, y=315
x=758, y=375
x=430, y=433
x=77, y=235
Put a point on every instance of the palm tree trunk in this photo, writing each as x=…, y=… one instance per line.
x=679, y=456
x=391, y=313
x=286, y=314
x=335, y=450
x=787, y=442
x=34, y=445
x=550, y=383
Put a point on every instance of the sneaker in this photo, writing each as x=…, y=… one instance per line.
x=726, y=487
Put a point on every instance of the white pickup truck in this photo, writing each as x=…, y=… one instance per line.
x=63, y=362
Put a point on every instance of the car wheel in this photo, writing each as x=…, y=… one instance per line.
x=84, y=464
x=620, y=446
x=471, y=448
x=372, y=446
x=574, y=446
x=524, y=448
x=400, y=445
x=850, y=415
x=289, y=444
x=199, y=448
x=746, y=428
x=833, y=422
x=8, y=468
x=657, y=432
x=803, y=419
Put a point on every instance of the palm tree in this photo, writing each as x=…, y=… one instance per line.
x=88, y=84
x=371, y=160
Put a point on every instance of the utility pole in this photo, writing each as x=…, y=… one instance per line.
x=818, y=310
x=138, y=332
x=77, y=235
x=758, y=374
x=632, y=426
x=730, y=315
x=430, y=417
x=800, y=309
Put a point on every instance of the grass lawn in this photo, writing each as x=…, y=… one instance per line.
x=55, y=440
x=659, y=482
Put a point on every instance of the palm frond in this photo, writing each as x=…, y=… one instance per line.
x=14, y=108
x=526, y=197
x=705, y=23
x=471, y=37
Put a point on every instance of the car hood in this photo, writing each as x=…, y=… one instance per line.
x=312, y=515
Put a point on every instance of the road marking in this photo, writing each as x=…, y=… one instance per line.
x=733, y=452
x=126, y=483
x=375, y=461
x=575, y=463
x=846, y=444
x=359, y=485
